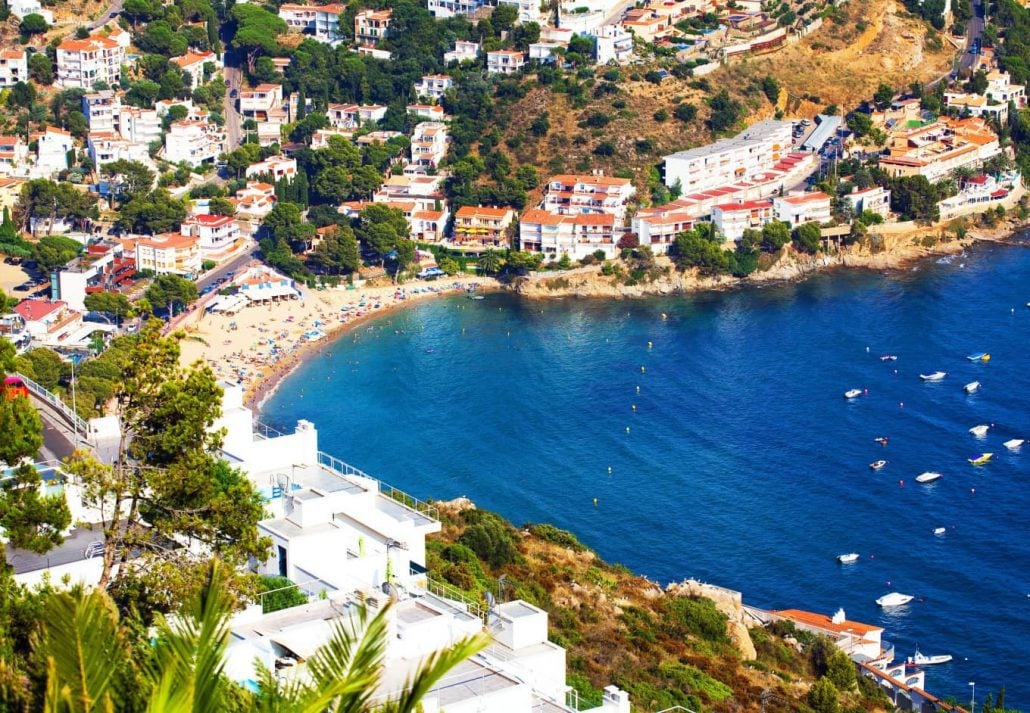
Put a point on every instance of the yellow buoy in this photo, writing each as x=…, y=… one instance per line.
x=638, y=389
x=643, y=370
x=627, y=429
x=634, y=407
x=595, y=502
x=649, y=345
x=609, y=469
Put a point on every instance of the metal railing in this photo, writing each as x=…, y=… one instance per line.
x=76, y=421
x=338, y=466
x=448, y=591
x=263, y=431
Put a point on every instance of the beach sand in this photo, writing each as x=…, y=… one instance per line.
x=261, y=344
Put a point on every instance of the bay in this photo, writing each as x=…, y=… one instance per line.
x=742, y=464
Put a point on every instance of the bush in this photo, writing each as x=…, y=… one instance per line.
x=686, y=112
x=283, y=594
x=822, y=697
x=698, y=616
x=564, y=538
x=490, y=537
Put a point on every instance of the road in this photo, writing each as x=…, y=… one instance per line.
x=234, y=82
x=974, y=32
x=233, y=265
x=115, y=7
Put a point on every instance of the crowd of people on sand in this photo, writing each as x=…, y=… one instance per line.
x=262, y=343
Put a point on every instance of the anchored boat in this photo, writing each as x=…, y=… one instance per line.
x=894, y=599
x=972, y=387
x=935, y=376
x=928, y=477
x=981, y=458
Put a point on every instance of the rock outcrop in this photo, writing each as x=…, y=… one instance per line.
x=728, y=602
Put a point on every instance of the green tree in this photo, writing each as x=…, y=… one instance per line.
x=883, y=96
x=130, y=179
x=840, y=669
x=691, y=250
x=110, y=302
x=152, y=213
x=381, y=229
x=725, y=112
x=860, y=123
x=807, y=237
x=280, y=593
x=286, y=224
x=771, y=88
x=41, y=69
x=33, y=24
x=490, y=262
x=686, y=112
x=167, y=291
x=338, y=251
x=256, y=31
x=822, y=696
x=774, y=236
x=53, y=251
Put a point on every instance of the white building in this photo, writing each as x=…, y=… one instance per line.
x=505, y=61
x=255, y=200
x=545, y=52
x=193, y=63
x=732, y=219
x=139, y=126
x=443, y=9
x=803, y=208
x=21, y=8
x=859, y=641
x=658, y=227
x=320, y=21
x=49, y=323
x=372, y=26
x=754, y=150
x=277, y=167
x=170, y=253
x=259, y=102
x=52, y=147
x=463, y=51
x=193, y=142
x=14, y=67
x=423, y=192
x=433, y=86
x=84, y=63
x=578, y=235
x=14, y=156
x=529, y=10
x=433, y=112
x=353, y=116
x=106, y=146
x=217, y=235
x=102, y=110
x=429, y=144
x=571, y=194
x=875, y=199
x=613, y=43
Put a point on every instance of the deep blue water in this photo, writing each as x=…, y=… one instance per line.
x=743, y=466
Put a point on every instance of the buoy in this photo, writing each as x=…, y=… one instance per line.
x=595, y=502
x=609, y=469
x=643, y=370
x=867, y=392
x=902, y=404
x=901, y=483
x=664, y=316
x=634, y=407
x=867, y=350
x=972, y=491
x=638, y=389
x=649, y=344
x=627, y=429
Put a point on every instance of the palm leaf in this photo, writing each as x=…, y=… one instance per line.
x=432, y=670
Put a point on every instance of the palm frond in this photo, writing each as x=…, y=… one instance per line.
x=432, y=670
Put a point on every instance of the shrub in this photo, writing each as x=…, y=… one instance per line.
x=822, y=697
x=490, y=537
x=698, y=616
x=282, y=594
x=564, y=538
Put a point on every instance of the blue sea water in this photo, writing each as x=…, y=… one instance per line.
x=742, y=464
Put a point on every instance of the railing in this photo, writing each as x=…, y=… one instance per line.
x=447, y=591
x=42, y=394
x=264, y=431
x=401, y=497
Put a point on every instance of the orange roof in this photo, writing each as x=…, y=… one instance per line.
x=824, y=622
x=169, y=241
x=91, y=43
x=572, y=179
x=32, y=310
x=428, y=214
x=807, y=198
x=192, y=58
x=542, y=217
x=11, y=54
x=594, y=219
x=471, y=211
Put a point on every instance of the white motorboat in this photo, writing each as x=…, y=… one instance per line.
x=940, y=530
x=878, y=464
x=980, y=430
x=852, y=393
x=935, y=376
x=972, y=387
x=919, y=659
x=928, y=477
x=894, y=599
x=849, y=558
x=1014, y=443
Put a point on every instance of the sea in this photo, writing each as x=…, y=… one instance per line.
x=707, y=436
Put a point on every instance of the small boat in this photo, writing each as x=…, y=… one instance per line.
x=882, y=440
x=918, y=659
x=849, y=558
x=878, y=464
x=935, y=376
x=940, y=530
x=972, y=387
x=889, y=357
x=979, y=356
x=852, y=393
x=928, y=477
x=980, y=430
x=894, y=599
x=1014, y=443
x=981, y=458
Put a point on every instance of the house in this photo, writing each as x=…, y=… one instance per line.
x=14, y=67
x=756, y=149
x=590, y=193
x=374, y=52
x=259, y=102
x=428, y=225
x=732, y=219
x=263, y=284
x=529, y=10
x=801, y=208
x=49, y=323
x=277, y=167
x=544, y=52
x=647, y=26
x=353, y=116
x=875, y=199
x=994, y=102
x=658, y=227
x=938, y=149
x=979, y=192
x=423, y=192
x=463, y=51
x=10, y=193
x=433, y=112
x=320, y=21
x=169, y=253
x=193, y=142
x=377, y=137
x=255, y=200
x=84, y=63
x=482, y=226
x=613, y=43
x=433, y=86
x=218, y=235
x=1000, y=89
x=107, y=146
x=52, y=147
x=122, y=37
x=193, y=63
x=97, y=265
x=21, y=8
x=561, y=35
x=372, y=26
x=320, y=139
x=429, y=144
x=862, y=642
x=443, y=9
x=576, y=235
x=505, y=61
x=139, y=126
x=102, y=110
x=14, y=156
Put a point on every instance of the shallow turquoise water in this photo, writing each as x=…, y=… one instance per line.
x=743, y=464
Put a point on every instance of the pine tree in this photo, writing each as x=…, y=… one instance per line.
x=301, y=188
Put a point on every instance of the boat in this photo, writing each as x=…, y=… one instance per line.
x=980, y=430
x=979, y=356
x=852, y=393
x=918, y=659
x=849, y=558
x=935, y=376
x=972, y=387
x=940, y=530
x=882, y=440
x=878, y=464
x=1014, y=443
x=889, y=357
x=928, y=477
x=981, y=458
x=894, y=599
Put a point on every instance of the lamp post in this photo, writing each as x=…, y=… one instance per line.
x=972, y=701
x=75, y=423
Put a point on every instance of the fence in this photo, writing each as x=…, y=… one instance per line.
x=338, y=466
x=73, y=419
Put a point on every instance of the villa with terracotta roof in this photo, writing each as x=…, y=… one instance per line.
x=169, y=253
x=572, y=194
x=258, y=102
x=275, y=166
x=193, y=64
x=797, y=208
x=353, y=116
x=84, y=63
x=876, y=199
x=579, y=235
x=938, y=149
x=505, y=61
x=319, y=21
x=218, y=235
x=372, y=26
x=658, y=227
x=482, y=226
x=49, y=323
x=14, y=155
x=14, y=67
x=429, y=144
x=255, y=200
x=732, y=219
x=433, y=86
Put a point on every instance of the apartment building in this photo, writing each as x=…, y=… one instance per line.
x=505, y=61
x=14, y=67
x=262, y=100
x=255, y=200
x=193, y=142
x=579, y=235
x=372, y=26
x=102, y=110
x=424, y=192
x=573, y=194
x=875, y=199
x=193, y=63
x=443, y=9
x=732, y=219
x=482, y=227
x=217, y=235
x=658, y=227
x=938, y=149
x=353, y=116
x=139, y=126
x=278, y=167
x=429, y=144
x=320, y=21
x=433, y=86
x=754, y=150
x=49, y=323
x=107, y=146
x=52, y=147
x=613, y=43
x=169, y=253
x=84, y=63
x=803, y=208
x=463, y=51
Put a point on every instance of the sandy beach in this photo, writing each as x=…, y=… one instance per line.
x=261, y=344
